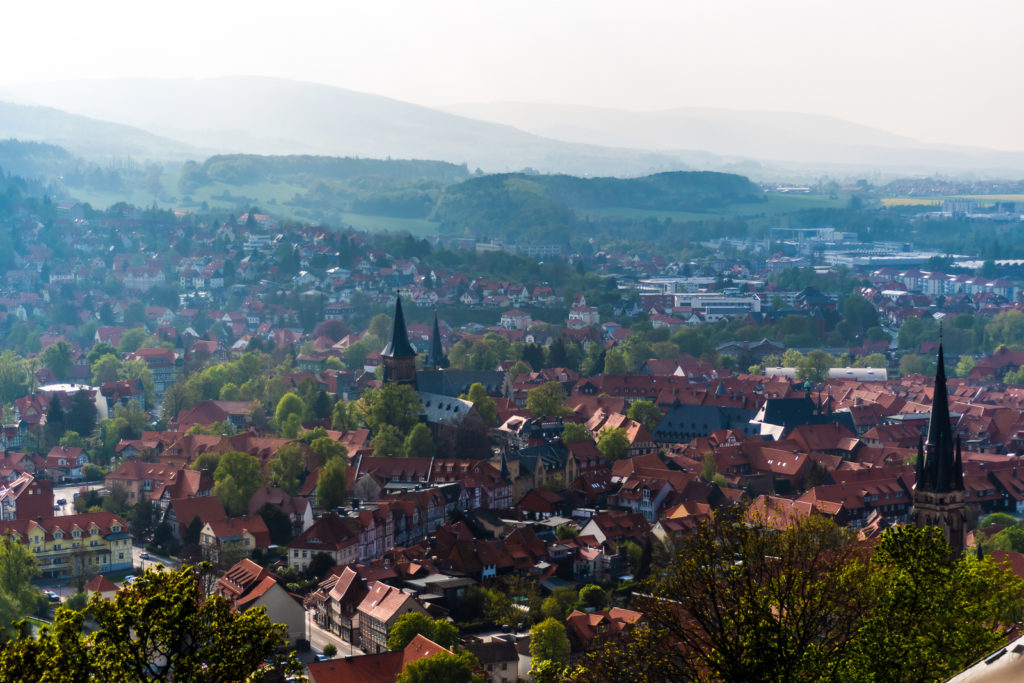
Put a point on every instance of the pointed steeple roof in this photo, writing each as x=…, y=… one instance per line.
x=942, y=467
x=399, y=346
x=436, y=358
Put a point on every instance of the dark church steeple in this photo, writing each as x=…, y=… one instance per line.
x=939, y=492
x=399, y=357
x=436, y=358
x=941, y=470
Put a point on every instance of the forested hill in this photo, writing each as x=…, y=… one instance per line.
x=250, y=168
x=520, y=207
x=34, y=159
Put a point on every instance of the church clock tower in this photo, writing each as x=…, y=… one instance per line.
x=399, y=357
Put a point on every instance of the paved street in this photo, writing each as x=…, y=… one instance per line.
x=319, y=637
x=66, y=492
x=153, y=560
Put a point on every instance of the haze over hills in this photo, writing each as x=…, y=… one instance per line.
x=781, y=138
x=275, y=116
x=88, y=137
x=258, y=115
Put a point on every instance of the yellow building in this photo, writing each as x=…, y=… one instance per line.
x=75, y=545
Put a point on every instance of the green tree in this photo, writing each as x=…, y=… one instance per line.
x=965, y=365
x=409, y=625
x=139, y=369
x=859, y=312
x=614, y=363
x=419, y=443
x=444, y=666
x=931, y=613
x=162, y=627
x=485, y=405
x=17, y=594
x=380, y=326
x=558, y=605
x=718, y=600
x=340, y=418
x=278, y=523
x=388, y=443
x=998, y=518
x=325, y=448
x=59, y=359
x=548, y=641
x=105, y=369
x=236, y=478
x=135, y=420
x=142, y=518
x=206, y=461
x=81, y=417
x=287, y=467
x=15, y=378
x=646, y=413
x=331, y=484
x=519, y=368
x=72, y=439
x=613, y=443
x=814, y=366
x=132, y=340
x=593, y=596
x=98, y=350
x=396, y=405
x=547, y=400
x=290, y=404
x=574, y=431
x=913, y=364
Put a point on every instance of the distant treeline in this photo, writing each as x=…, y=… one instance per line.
x=246, y=169
x=34, y=159
x=520, y=208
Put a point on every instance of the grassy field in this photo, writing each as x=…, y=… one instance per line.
x=910, y=201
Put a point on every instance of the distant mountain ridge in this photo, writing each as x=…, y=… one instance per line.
x=259, y=115
x=768, y=136
x=88, y=137
x=194, y=118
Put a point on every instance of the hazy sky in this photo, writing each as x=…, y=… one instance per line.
x=938, y=71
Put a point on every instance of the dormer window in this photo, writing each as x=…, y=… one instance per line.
x=58, y=535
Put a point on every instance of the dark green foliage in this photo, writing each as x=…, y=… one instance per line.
x=278, y=523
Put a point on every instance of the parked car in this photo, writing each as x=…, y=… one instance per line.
x=52, y=597
x=128, y=579
x=144, y=556
x=62, y=501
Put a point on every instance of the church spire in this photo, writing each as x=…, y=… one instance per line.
x=399, y=357
x=942, y=472
x=939, y=492
x=436, y=358
x=399, y=346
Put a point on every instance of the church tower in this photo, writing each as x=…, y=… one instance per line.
x=939, y=493
x=436, y=360
x=399, y=357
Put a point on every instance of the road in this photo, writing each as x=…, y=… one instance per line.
x=152, y=560
x=319, y=637
x=66, y=492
